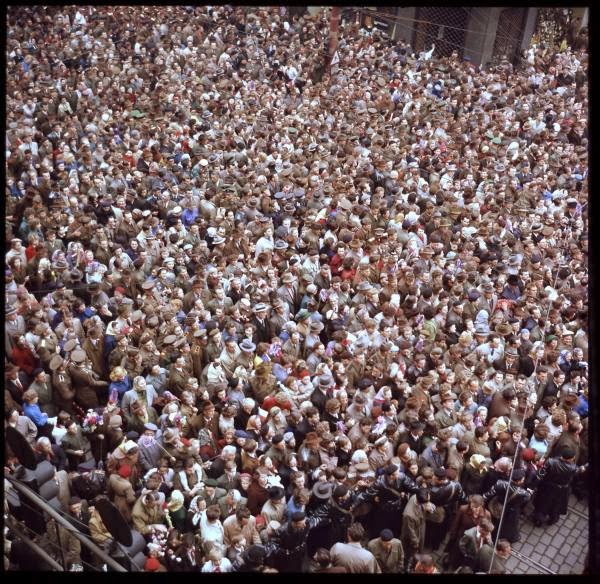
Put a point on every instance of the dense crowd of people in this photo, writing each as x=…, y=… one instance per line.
x=290, y=316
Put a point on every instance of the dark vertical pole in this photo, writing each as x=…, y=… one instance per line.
x=334, y=23
x=62, y=553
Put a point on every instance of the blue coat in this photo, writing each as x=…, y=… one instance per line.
x=33, y=412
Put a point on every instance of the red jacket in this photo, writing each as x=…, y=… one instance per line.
x=25, y=359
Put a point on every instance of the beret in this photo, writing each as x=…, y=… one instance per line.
x=567, y=452
x=88, y=466
x=386, y=535
x=474, y=294
x=519, y=474
x=440, y=472
x=391, y=469
x=210, y=483
x=298, y=516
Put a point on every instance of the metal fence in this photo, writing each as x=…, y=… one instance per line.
x=444, y=26
x=510, y=33
x=449, y=28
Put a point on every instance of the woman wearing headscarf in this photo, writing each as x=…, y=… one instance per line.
x=473, y=474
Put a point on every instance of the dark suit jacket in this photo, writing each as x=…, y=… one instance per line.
x=225, y=510
x=417, y=445
x=226, y=483
x=318, y=398
x=264, y=331
x=15, y=392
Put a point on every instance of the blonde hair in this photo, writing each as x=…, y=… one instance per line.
x=117, y=372
x=465, y=337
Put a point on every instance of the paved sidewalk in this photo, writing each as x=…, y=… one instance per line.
x=562, y=547
x=556, y=549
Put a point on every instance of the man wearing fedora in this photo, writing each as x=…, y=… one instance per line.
x=510, y=362
x=264, y=332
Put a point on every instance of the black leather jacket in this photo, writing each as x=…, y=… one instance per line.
x=448, y=494
x=557, y=471
x=517, y=496
x=388, y=493
x=339, y=512
x=290, y=541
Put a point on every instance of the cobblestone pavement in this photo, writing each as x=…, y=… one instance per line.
x=556, y=549
x=561, y=548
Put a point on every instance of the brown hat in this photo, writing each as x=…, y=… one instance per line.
x=548, y=231
x=312, y=437
x=78, y=356
x=503, y=329
x=362, y=467
x=70, y=345
x=55, y=362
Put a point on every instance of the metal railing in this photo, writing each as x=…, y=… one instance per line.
x=43, y=506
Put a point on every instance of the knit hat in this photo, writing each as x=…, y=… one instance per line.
x=528, y=454
x=151, y=565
